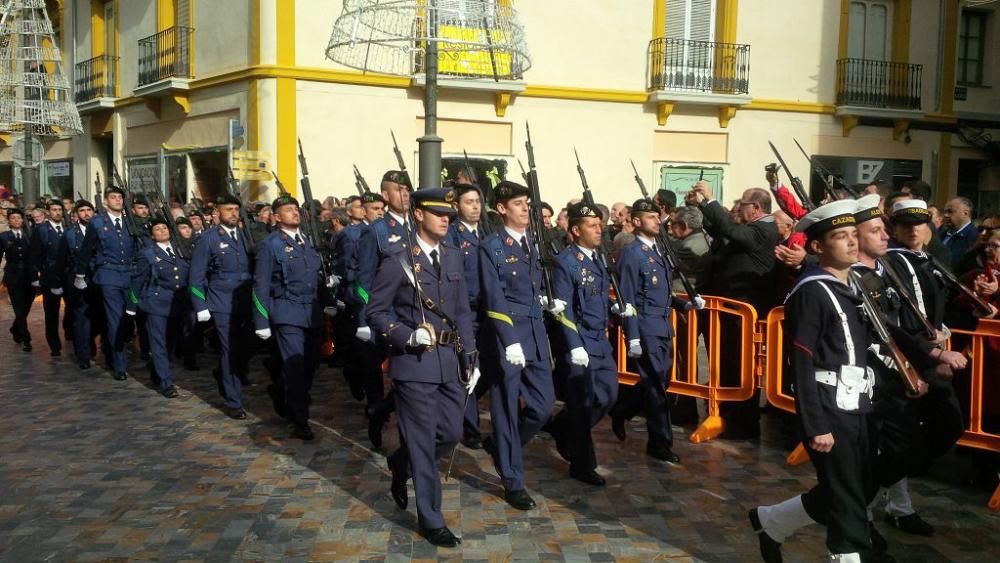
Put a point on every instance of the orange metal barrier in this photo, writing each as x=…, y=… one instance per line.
x=713, y=392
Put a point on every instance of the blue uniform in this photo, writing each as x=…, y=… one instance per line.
x=646, y=281
x=17, y=278
x=510, y=284
x=159, y=286
x=582, y=284
x=428, y=392
x=287, y=279
x=467, y=241
x=49, y=257
x=345, y=247
x=88, y=311
x=113, y=250
x=220, y=282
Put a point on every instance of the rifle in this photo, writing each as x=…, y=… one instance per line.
x=245, y=219
x=668, y=248
x=130, y=223
x=911, y=379
x=175, y=237
x=897, y=283
x=524, y=174
x=796, y=183
x=600, y=254
x=359, y=182
x=536, y=226
x=824, y=173
x=281, y=187
x=313, y=223
x=99, y=195
x=945, y=274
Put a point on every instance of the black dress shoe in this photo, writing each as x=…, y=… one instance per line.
x=618, y=427
x=85, y=364
x=56, y=353
x=190, y=365
x=662, y=452
x=472, y=440
x=277, y=400
x=398, y=487
x=375, y=422
x=490, y=446
x=441, y=537
x=144, y=356
x=589, y=477
x=770, y=550
x=26, y=347
x=911, y=524
x=17, y=338
x=519, y=499
x=169, y=392
x=878, y=541
x=303, y=432
x=120, y=376
x=235, y=413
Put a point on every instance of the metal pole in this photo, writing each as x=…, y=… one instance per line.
x=430, y=143
x=29, y=176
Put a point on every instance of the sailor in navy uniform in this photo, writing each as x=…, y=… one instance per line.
x=646, y=281
x=383, y=237
x=221, y=285
x=582, y=285
x=88, y=311
x=287, y=281
x=17, y=275
x=513, y=340
x=346, y=266
x=49, y=258
x=425, y=334
x=112, y=247
x=160, y=288
x=827, y=338
x=465, y=233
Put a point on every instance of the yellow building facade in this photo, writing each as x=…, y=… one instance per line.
x=874, y=89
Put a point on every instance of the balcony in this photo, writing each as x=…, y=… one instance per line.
x=874, y=84
x=698, y=72
x=165, y=66
x=96, y=84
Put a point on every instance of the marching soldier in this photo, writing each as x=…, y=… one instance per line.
x=112, y=247
x=86, y=303
x=221, y=285
x=383, y=237
x=287, y=279
x=17, y=275
x=581, y=284
x=646, y=281
x=514, y=340
x=428, y=332
x=466, y=234
x=159, y=284
x=49, y=257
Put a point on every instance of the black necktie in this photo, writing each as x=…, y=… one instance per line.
x=17, y=235
x=656, y=250
x=232, y=234
x=298, y=239
x=524, y=245
x=59, y=230
x=435, y=263
x=118, y=223
x=170, y=252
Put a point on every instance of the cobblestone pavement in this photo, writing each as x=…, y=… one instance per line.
x=96, y=470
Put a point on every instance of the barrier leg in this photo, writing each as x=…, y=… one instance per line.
x=798, y=455
x=994, y=504
x=711, y=427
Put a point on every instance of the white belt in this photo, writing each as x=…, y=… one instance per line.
x=827, y=378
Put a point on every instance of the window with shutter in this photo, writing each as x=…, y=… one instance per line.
x=868, y=30
x=690, y=33
x=183, y=13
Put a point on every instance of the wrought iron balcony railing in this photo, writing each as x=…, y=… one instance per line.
x=165, y=55
x=698, y=66
x=95, y=78
x=878, y=84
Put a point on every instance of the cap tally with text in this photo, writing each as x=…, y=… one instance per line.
x=868, y=208
x=910, y=212
x=644, y=205
x=508, y=190
x=436, y=200
x=582, y=210
x=228, y=199
x=283, y=200
x=826, y=218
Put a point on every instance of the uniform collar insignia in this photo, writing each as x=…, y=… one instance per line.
x=391, y=222
x=645, y=248
x=461, y=228
x=509, y=241
x=416, y=250
x=579, y=256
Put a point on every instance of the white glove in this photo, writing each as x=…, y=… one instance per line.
x=36, y=283
x=341, y=305
x=634, y=348
x=629, y=310
x=579, y=357
x=129, y=312
x=263, y=333
x=557, y=306
x=699, y=303
x=363, y=334
x=203, y=316
x=420, y=337
x=332, y=281
x=80, y=283
x=515, y=355
x=470, y=387
x=56, y=291
x=330, y=311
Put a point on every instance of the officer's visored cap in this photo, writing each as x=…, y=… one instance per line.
x=182, y=220
x=644, y=204
x=372, y=197
x=81, y=203
x=436, y=200
x=113, y=189
x=582, y=210
x=868, y=208
x=283, y=200
x=228, y=199
x=910, y=212
x=826, y=218
x=398, y=177
x=508, y=190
